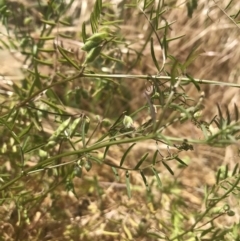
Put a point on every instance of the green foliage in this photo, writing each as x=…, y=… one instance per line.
x=191, y=6
x=71, y=111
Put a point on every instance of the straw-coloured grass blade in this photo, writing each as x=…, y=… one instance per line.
x=128, y=185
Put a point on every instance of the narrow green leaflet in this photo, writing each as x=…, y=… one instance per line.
x=15, y=137
x=25, y=130
x=63, y=22
x=51, y=23
x=194, y=82
x=68, y=36
x=70, y=61
x=221, y=119
x=206, y=231
x=112, y=59
x=226, y=172
x=44, y=62
x=168, y=168
x=84, y=35
x=46, y=50
x=35, y=148
x=194, y=53
x=51, y=104
x=114, y=23
x=115, y=173
x=46, y=38
x=174, y=70
x=143, y=158
x=25, y=142
x=218, y=176
x=205, y=131
x=144, y=180
x=125, y=154
x=118, y=121
x=180, y=161
x=84, y=128
x=236, y=112
x=167, y=24
x=235, y=169
x=175, y=38
x=95, y=15
x=181, y=109
x=154, y=157
x=147, y=3
x=157, y=177
x=165, y=42
x=105, y=152
x=228, y=116
x=153, y=56
x=97, y=160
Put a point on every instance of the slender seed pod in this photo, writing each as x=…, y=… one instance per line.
x=90, y=44
x=98, y=37
x=92, y=55
x=95, y=40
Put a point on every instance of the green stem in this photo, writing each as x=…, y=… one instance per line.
x=92, y=148
x=184, y=80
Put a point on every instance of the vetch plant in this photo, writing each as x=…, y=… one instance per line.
x=76, y=119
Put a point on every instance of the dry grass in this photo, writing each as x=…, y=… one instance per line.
x=103, y=210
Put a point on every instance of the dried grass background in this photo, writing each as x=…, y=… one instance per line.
x=112, y=216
